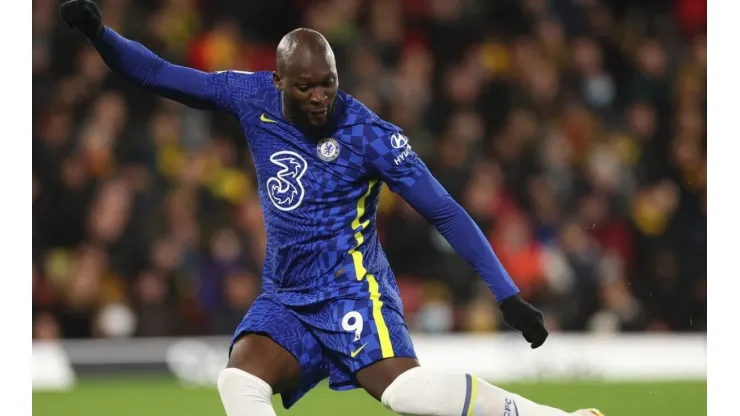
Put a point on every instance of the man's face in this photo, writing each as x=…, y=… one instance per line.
x=309, y=91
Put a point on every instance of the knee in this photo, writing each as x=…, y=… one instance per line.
x=243, y=394
x=402, y=395
x=236, y=383
x=420, y=391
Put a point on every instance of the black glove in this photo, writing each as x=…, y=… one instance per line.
x=83, y=15
x=523, y=317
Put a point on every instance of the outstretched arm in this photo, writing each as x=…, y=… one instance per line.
x=390, y=155
x=134, y=62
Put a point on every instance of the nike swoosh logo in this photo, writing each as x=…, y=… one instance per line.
x=354, y=353
x=264, y=118
x=516, y=410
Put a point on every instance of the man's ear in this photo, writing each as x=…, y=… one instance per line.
x=277, y=80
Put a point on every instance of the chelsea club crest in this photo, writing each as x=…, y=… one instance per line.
x=328, y=149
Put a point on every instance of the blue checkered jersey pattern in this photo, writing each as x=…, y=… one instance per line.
x=319, y=196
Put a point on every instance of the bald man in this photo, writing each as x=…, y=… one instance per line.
x=330, y=307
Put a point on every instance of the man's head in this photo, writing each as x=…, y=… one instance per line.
x=307, y=77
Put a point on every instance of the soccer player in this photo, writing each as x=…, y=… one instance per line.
x=330, y=306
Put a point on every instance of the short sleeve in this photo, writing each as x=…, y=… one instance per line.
x=389, y=154
x=228, y=89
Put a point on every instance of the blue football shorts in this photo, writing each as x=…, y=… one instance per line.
x=337, y=335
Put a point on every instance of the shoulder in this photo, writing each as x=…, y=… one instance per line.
x=240, y=90
x=260, y=78
x=240, y=81
x=363, y=128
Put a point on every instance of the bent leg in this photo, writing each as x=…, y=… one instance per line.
x=272, y=353
x=377, y=349
x=419, y=391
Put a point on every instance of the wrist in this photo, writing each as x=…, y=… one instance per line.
x=509, y=300
x=97, y=35
x=501, y=296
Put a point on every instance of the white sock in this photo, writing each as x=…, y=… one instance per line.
x=424, y=392
x=243, y=394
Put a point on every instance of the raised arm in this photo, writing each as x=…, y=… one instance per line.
x=137, y=64
x=133, y=62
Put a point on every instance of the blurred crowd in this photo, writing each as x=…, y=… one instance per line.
x=573, y=131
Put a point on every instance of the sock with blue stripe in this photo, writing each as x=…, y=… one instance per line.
x=424, y=392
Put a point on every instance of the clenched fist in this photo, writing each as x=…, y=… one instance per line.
x=83, y=15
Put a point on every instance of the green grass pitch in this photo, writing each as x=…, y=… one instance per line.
x=156, y=397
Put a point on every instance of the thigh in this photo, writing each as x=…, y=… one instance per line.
x=272, y=344
x=257, y=354
x=366, y=337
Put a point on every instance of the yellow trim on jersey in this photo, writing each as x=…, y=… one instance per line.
x=384, y=336
x=360, y=270
x=473, y=394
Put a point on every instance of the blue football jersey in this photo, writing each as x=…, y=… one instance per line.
x=319, y=196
